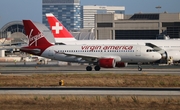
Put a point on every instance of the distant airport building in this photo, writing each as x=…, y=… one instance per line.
x=137, y=26
x=13, y=30
x=13, y=34
x=67, y=11
x=89, y=11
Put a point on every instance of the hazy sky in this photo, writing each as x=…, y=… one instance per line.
x=11, y=10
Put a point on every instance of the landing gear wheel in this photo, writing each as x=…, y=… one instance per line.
x=88, y=68
x=139, y=68
x=97, y=68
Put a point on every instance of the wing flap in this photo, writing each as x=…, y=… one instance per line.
x=84, y=56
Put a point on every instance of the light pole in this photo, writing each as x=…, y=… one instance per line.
x=158, y=7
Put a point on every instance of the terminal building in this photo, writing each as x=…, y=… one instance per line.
x=89, y=11
x=11, y=34
x=137, y=26
x=13, y=29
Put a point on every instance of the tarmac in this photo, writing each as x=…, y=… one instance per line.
x=56, y=67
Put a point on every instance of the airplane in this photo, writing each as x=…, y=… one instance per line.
x=167, y=48
x=101, y=55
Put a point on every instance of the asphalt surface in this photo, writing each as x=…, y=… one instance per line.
x=54, y=67
x=19, y=68
x=93, y=91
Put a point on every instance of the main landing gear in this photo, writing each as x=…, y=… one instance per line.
x=96, y=68
x=88, y=68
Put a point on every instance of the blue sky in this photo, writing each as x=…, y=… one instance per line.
x=11, y=10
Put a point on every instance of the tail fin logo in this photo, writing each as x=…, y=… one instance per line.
x=57, y=28
x=33, y=39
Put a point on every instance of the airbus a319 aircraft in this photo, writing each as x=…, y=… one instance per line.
x=167, y=48
x=101, y=55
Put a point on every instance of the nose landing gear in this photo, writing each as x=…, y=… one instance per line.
x=139, y=68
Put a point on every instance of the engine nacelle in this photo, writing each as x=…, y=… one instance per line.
x=174, y=54
x=107, y=62
x=121, y=64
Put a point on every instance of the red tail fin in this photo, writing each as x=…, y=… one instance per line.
x=35, y=37
x=57, y=28
x=37, y=42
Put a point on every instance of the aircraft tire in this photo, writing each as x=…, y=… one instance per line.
x=97, y=68
x=88, y=68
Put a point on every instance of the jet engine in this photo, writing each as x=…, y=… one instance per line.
x=121, y=64
x=174, y=54
x=107, y=62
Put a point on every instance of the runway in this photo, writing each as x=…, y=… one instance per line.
x=93, y=91
x=53, y=67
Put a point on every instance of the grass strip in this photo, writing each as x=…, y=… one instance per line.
x=53, y=102
x=103, y=80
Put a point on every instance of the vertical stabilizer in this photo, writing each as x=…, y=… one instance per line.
x=59, y=31
x=36, y=38
x=37, y=42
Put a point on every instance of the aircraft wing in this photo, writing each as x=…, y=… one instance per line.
x=86, y=57
x=9, y=47
x=82, y=55
x=12, y=44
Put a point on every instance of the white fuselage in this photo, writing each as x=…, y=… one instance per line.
x=82, y=53
x=164, y=44
x=167, y=48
